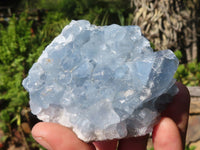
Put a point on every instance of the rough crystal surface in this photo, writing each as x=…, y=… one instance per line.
x=102, y=82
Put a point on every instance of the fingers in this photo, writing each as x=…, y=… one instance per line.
x=178, y=110
x=135, y=143
x=56, y=137
x=170, y=133
x=106, y=145
x=166, y=136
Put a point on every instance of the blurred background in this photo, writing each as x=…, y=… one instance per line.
x=28, y=26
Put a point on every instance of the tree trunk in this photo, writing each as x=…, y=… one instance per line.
x=198, y=29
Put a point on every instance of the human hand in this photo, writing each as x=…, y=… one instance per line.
x=168, y=134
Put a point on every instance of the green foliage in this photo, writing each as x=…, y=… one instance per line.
x=99, y=12
x=152, y=46
x=190, y=148
x=186, y=148
x=53, y=25
x=178, y=54
x=20, y=46
x=15, y=45
x=188, y=74
x=181, y=72
x=33, y=144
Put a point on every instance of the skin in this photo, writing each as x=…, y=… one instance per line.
x=168, y=134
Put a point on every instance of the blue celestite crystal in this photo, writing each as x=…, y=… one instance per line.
x=102, y=82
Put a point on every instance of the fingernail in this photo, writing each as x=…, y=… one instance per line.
x=42, y=142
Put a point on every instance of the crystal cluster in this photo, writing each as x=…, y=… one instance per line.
x=102, y=82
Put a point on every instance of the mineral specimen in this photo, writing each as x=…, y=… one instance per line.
x=102, y=82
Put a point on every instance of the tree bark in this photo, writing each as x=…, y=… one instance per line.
x=198, y=29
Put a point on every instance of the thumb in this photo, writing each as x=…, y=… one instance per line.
x=57, y=137
x=166, y=136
